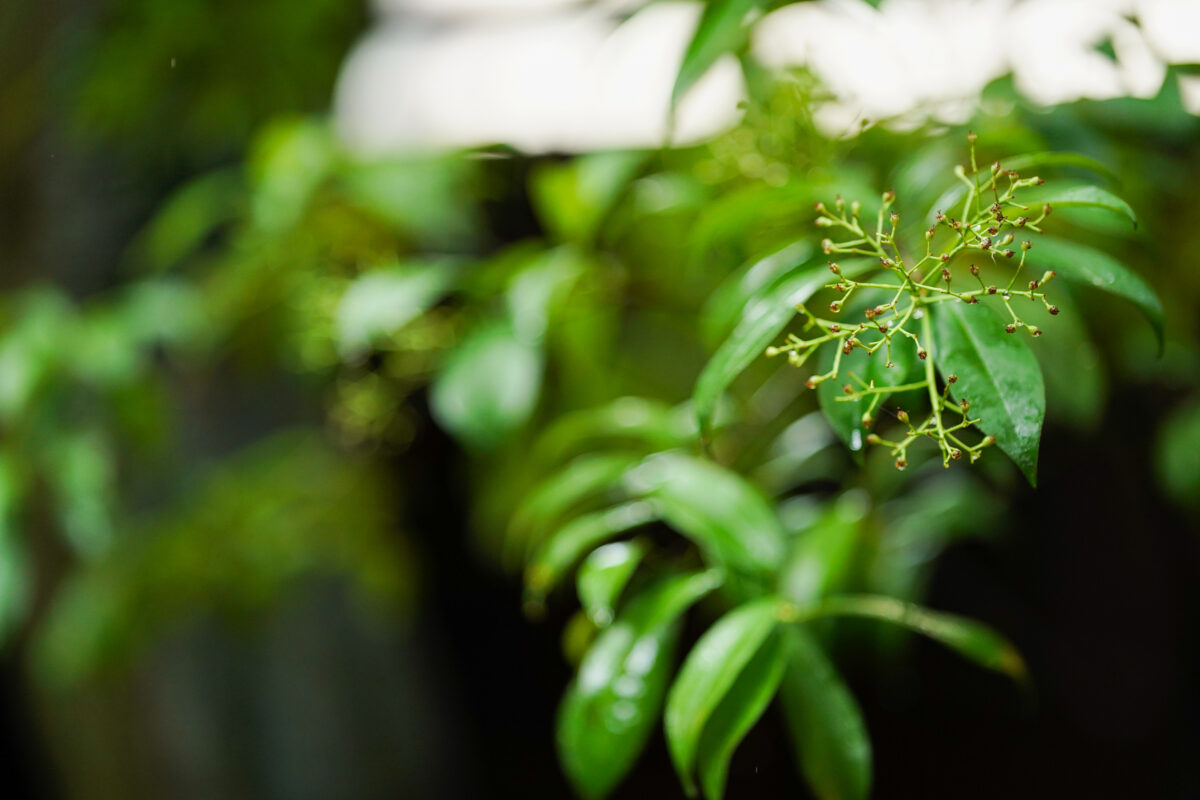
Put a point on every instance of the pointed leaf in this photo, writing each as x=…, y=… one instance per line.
x=560, y=552
x=1082, y=197
x=708, y=674
x=746, y=701
x=603, y=576
x=1090, y=267
x=715, y=507
x=722, y=29
x=763, y=319
x=832, y=747
x=650, y=424
x=611, y=707
x=725, y=304
x=973, y=640
x=997, y=374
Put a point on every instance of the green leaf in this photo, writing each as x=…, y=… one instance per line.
x=1177, y=455
x=973, y=640
x=573, y=199
x=707, y=675
x=763, y=319
x=380, y=302
x=533, y=292
x=488, y=386
x=846, y=416
x=581, y=479
x=723, y=28
x=1080, y=196
x=997, y=374
x=1090, y=267
x=725, y=304
x=745, y=702
x=649, y=424
x=715, y=507
x=565, y=547
x=604, y=574
x=821, y=556
x=832, y=747
x=950, y=200
x=610, y=708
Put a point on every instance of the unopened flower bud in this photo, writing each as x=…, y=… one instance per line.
x=1053, y=311
x=827, y=246
x=952, y=379
x=855, y=207
x=986, y=243
x=901, y=463
x=889, y=197
x=848, y=347
x=819, y=207
x=922, y=354
x=894, y=218
x=1026, y=245
x=824, y=222
x=839, y=202
x=929, y=233
x=965, y=404
x=1010, y=328
x=1046, y=209
x=834, y=328
x=974, y=270
x=992, y=229
x=945, y=275
x=944, y=257
x=873, y=438
x=886, y=262
x=835, y=269
x=847, y=389
x=835, y=306
x=902, y=415
x=991, y=290
x=1033, y=285
x=1021, y=222
x=955, y=453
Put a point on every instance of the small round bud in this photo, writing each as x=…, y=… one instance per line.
x=811, y=383
x=944, y=257
x=996, y=167
x=1021, y=222
x=894, y=218
x=955, y=453
x=993, y=230
x=1033, y=285
x=991, y=290
x=1035, y=330
x=1046, y=209
x=855, y=207
x=873, y=438
x=1053, y=311
x=848, y=347
x=965, y=404
x=1010, y=328
x=971, y=137
x=889, y=197
x=1007, y=240
x=834, y=328
x=886, y=262
x=869, y=313
x=974, y=270
x=1009, y=253
x=847, y=389
x=835, y=269
x=952, y=379
x=827, y=246
x=939, y=216
x=835, y=306
x=929, y=233
x=902, y=415
x=883, y=326
x=986, y=243
x=839, y=202
x=922, y=354
x=819, y=207
x=839, y=287
x=901, y=463
x=824, y=222
x=988, y=441
x=945, y=275
x=1027, y=245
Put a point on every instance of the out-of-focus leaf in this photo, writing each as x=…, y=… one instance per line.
x=708, y=674
x=488, y=386
x=604, y=574
x=723, y=28
x=726, y=303
x=425, y=197
x=1177, y=455
x=733, y=718
x=650, y=425
x=16, y=571
x=573, y=199
x=288, y=162
x=81, y=468
x=1074, y=371
x=382, y=301
x=763, y=319
x=716, y=508
x=1097, y=269
x=611, y=707
x=972, y=640
x=30, y=346
x=846, y=416
x=565, y=547
x=821, y=556
x=997, y=375
x=833, y=750
x=533, y=291
x=585, y=477
x=188, y=218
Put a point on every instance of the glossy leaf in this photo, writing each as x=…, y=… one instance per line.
x=997, y=375
x=833, y=750
x=604, y=574
x=763, y=319
x=1081, y=197
x=611, y=707
x=821, y=556
x=722, y=29
x=566, y=546
x=1090, y=267
x=488, y=386
x=581, y=479
x=650, y=425
x=846, y=416
x=708, y=674
x=973, y=640
x=715, y=507
x=725, y=304
x=737, y=713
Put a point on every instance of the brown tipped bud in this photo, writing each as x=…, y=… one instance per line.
x=819, y=207
x=873, y=438
x=867, y=420
x=889, y=364
x=955, y=224
x=902, y=415
x=955, y=453
x=839, y=287
x=1035, y=331
x=835, y=269
x=883, y=326
x=945, y=275
x=1027, y=245
x=827, y=246
x=889, y=197
x=991, y=290
x=835, y=306
x=952, y=379
x=971, y=137
x=835, y=327
x=929, y=233
x=1010, y=328
x=811, y=383
x=894, y=218
x=988, y=441
x=986, y=243
x=848, y=347
x=993, y=230
x=869, y=313
x=855, y=207
x=847, y=389
x=839, y=202
x=1033, y=285
x=1053, y=311
x=1040, y=181
x=974, y=270
x=901, y=463
x=1009, y=253
x=1021, y=222
x=944, y=257
x=965, y=405
x=922, y=354
x=996, y=167
x=1046, y=209
x=886, y=262
x=939, y=216
x=972, y=300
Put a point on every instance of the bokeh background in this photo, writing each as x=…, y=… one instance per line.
x=290, y=291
